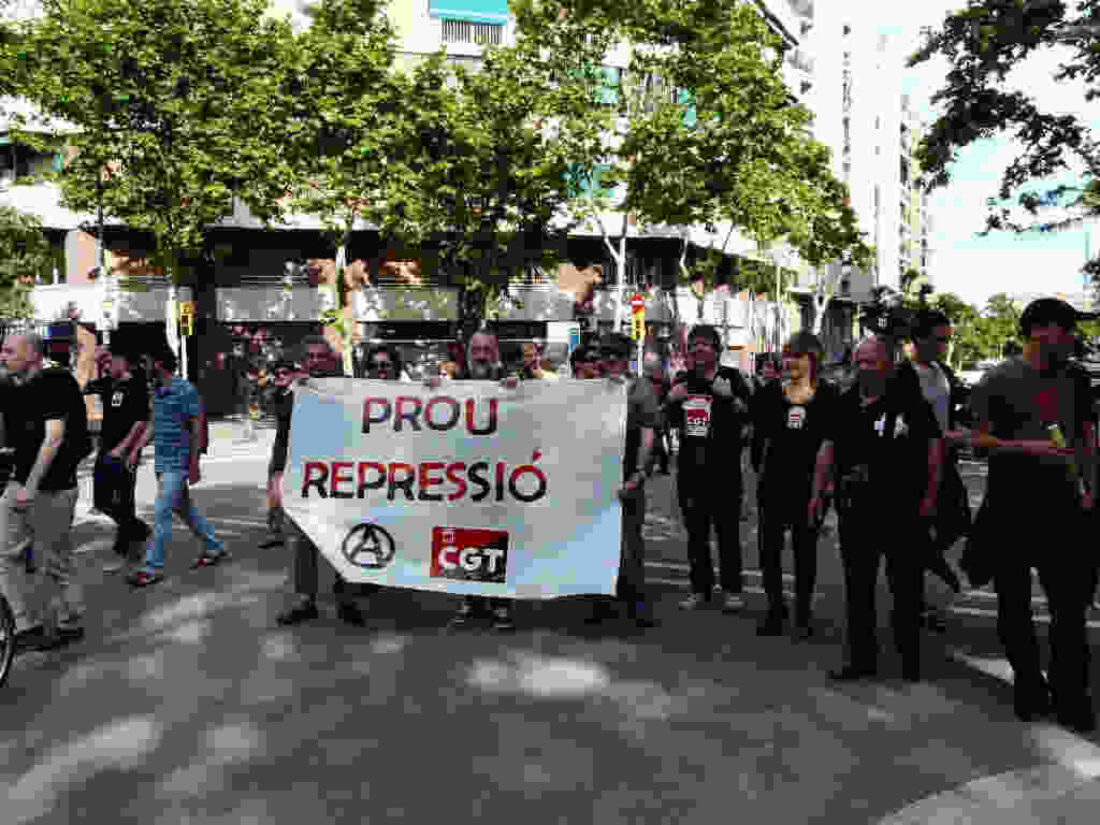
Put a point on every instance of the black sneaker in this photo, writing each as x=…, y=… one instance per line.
x=272, y=541
x=351, y=614
x=772, y=625
x=299, y=613
x=38, y=638
x=463, y=617
x=1030, y=702
x=850, y=673
x=502, y=620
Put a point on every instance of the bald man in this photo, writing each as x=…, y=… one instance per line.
x=48, y=427
x=887, y=448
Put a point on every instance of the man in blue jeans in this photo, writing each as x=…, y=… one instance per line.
x=175, y=432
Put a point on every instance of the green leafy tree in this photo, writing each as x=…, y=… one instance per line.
x=984, y=42
x=176, y=105
x=24, y=255
x=485, y=183
x=698, y=129
x=337, y=130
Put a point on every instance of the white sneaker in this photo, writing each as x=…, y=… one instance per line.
x=113, y=566
x=733, y=603
x=693, y=602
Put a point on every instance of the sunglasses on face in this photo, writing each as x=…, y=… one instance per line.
x=380, y=365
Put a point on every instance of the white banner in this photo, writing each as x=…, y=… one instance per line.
x=470, y=488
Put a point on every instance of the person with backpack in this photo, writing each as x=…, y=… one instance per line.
x=47, y=425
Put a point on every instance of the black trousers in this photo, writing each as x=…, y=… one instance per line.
x=775, y=519
x=1067, y=586
x=661, y=447
x=113, y=494
x=706, y=501
x=867, y=534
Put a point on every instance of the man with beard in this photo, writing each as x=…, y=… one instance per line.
x=710, y=407
x=483, y=364
x=319, y=362
x=1032, y=413
x=889, y=451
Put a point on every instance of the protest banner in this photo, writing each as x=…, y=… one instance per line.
x=469, y=488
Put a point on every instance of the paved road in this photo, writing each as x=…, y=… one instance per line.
x=187, y=704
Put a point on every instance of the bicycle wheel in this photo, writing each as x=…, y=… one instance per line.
x=7, y=639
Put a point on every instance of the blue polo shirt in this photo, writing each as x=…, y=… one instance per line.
x=173, y=409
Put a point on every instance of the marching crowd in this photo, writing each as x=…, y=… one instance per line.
x=881, y=445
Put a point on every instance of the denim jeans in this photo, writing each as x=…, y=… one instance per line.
x=173, y=496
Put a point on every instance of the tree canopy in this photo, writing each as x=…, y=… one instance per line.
x=983, y=43
x=175, y=106
x=697, y=128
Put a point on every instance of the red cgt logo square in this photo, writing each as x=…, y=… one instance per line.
x=470, y=554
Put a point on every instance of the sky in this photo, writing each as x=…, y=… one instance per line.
x=975, y=268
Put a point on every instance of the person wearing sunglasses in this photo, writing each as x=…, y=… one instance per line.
x=383, y=363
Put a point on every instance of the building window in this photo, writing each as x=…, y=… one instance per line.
x=461, y=31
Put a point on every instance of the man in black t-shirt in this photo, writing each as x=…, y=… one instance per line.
x=888, y=453
x=709, y=406
x=47, y=425
x=125, y=401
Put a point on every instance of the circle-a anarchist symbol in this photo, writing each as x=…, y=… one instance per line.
x=368, y=546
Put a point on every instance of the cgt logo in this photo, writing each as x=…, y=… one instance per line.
x=470, y=554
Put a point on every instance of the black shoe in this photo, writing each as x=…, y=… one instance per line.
x=602, y=611
x=298, y=614
x=351, y=614
x=910, y=671
x=1080, y=719
x=803, y=632
x=772, y=625
x=273, y=541
x=71, y=634
x=641, y=614
x=851, y=673
x=1032, y=702
x=463, y=617
x=502, y=620
x=38, y=638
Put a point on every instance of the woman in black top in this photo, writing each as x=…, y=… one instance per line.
x=791, y=416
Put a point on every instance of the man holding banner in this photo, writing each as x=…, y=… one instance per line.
x=305, y=552
x=474, y=488
x=642, y=419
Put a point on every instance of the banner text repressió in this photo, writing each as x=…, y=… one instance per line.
x=336, y=479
